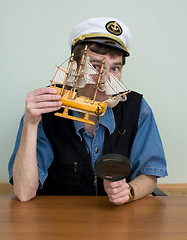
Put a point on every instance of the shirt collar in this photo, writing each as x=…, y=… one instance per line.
x=107, y=120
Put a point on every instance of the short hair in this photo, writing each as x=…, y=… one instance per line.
x=97, y=48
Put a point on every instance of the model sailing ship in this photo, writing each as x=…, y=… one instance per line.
x=67, y=82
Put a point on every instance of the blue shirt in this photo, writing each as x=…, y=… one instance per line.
x=147, y=154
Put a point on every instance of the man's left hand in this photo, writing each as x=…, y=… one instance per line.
x=118, y=192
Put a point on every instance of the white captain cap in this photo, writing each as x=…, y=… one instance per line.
x=107, y=31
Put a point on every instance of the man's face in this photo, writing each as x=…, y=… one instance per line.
x=115, y=67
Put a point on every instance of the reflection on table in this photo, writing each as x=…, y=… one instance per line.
x=92, y=218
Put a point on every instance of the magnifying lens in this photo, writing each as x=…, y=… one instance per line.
x=113, y=167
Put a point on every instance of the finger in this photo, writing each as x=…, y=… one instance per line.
x=36, y=112
x=120, y=192
x=42, y=105
x=47, y=98
x=114, y=188
x=119, y=201
x=119, y=198
x=114, y=184
x=42, y=98
x=43, y=90
x=116, y=192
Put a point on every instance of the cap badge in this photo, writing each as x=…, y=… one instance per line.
x=114, y=28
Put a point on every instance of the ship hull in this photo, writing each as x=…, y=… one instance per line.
x=81, y=103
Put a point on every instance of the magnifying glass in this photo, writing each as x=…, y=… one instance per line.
x=113, y=167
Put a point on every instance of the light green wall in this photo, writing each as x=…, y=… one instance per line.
x=34, y=38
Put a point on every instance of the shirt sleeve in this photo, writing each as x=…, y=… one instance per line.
x=147, y=154
x=44, y=153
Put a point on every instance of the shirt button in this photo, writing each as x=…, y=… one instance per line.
x=96, y=150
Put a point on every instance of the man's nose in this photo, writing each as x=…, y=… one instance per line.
x=108, y=75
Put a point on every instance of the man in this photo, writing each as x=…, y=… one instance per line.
x=56, y=156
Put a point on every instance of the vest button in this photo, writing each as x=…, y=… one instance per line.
x=96, y=150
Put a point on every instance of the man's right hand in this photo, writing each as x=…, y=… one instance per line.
x=42, y=100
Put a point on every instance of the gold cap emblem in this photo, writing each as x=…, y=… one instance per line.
x=114, y=28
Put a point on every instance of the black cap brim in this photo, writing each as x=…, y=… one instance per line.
x=107, y=42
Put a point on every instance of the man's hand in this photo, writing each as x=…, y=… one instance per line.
x=25, y=168
x=42, y=100
x=118, y=192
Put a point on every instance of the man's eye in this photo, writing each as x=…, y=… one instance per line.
x=96, y=67
x=114, y=69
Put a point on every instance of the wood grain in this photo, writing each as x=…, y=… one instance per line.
x=93, y=218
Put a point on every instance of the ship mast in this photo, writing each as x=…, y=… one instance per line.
x=65, y=79
x=99, y=79
x=79, y=71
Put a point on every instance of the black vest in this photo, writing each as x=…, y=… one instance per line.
x=71, y=172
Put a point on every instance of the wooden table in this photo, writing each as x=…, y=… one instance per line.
x=95, y=218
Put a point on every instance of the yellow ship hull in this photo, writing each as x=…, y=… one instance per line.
x=83, y=104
